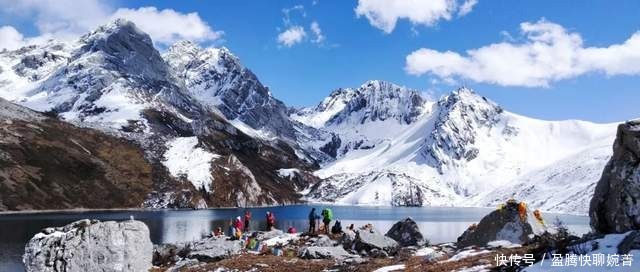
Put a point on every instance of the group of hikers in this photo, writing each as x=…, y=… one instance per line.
x=317, y=224
x=241, y=224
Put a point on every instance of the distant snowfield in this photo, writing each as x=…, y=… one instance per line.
x=184, y=158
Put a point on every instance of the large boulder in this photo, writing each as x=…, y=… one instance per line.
x=324, y=241
x=372, y=242
x=90, y=245
x=214, y=249
x=324, y=252
x=502, y=224
x=407, y=233
x=615, y=206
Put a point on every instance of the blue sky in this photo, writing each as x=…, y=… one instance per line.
x=354, y=49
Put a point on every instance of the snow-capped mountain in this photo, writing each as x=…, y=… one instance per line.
x=113, y=79
x=364, y=117
x=465, y=150
x=217, y=79
x=213, y=134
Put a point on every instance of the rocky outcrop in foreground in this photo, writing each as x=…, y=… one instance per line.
x=502, y=224
x=614, y=206
x=90, y=245
x=407, y=233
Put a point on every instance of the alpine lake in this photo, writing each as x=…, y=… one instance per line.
x=438, y=224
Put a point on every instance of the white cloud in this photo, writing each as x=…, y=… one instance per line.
x=68, y=19
x=549, y=53
x=317, y=32
x=384, y=14
x=292, y=36
x=294, y=33
x=168, y=26
x=10, y=38
x=64, y=19
x=466, y=7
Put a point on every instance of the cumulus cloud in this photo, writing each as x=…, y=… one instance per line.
x=293, y=32
x=317, y=32
x=548, y=53
x=384, y=14
x=168, y=26
x=10, y=38
x=293, y=35
x=68, y=19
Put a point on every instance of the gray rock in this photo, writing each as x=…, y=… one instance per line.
x=368, y=240
x=91, y=246
x=502, y=224
x=407, y=233
x=169, y=253
x=324, y=241
x=265, y=235
x=615, y=204
x=324, y=252
x=214, y=249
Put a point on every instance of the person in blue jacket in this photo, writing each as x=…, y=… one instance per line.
x=313, y=216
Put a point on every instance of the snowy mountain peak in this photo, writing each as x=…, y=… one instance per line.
x=460, y=117
x=120, y=28
x=374, y=100
x=109, y=76
x=184, y=53
x=216, y=78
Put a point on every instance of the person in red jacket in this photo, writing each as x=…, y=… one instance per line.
x=238, y=224
x=271, y=221
x=247, y=219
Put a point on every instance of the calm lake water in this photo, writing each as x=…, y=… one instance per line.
x=438, y=224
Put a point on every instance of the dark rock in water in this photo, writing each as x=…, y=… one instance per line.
x=502, y=224
x=214, y=249
x=323, y=252
x=90, y=246
x=615, y=206
x=369, y=240
x=407, y=233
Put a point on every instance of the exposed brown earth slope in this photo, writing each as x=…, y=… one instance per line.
x=49, y=164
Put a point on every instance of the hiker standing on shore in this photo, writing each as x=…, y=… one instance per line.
x=327, y=216
x=313, y=217
x=247, y=219
x=271, y=221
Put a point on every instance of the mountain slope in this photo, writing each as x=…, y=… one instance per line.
x=114, y=80
x=464, y=148
x=49, y=164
